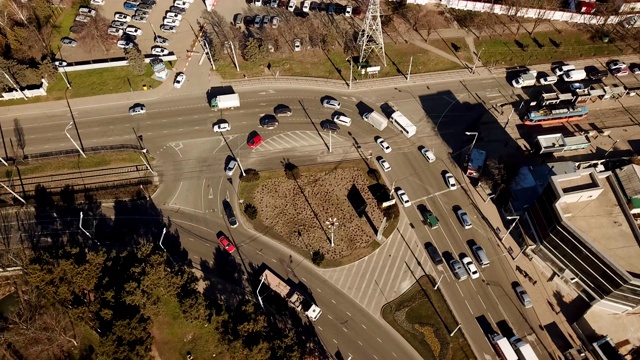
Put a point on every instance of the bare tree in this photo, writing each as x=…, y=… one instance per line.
x=542, y=7
x=24, y=14
x=516, y=11
x=18, y=132
x=6, y=228
x=94, y=35
x=136, y=60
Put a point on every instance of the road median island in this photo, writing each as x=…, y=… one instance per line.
x=294, y=205
x=108, y=175
x=421, y=315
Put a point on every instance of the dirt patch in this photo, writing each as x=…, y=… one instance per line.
x=297, y=210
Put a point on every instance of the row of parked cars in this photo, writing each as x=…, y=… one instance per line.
x=307, y=6
x=570, y=73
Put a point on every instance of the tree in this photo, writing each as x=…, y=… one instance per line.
x=18, y=132
x=47, y=70
x=252, y=50
x=17, y=73
x=136, y=60
x=251, y=211
x=94, y=35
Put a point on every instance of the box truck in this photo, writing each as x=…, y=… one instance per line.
x=502, y=347
x=376, y=120
x=526, y=79
x=225, y=102
x=523, y=350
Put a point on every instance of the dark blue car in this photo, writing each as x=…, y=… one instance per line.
x=130, y=6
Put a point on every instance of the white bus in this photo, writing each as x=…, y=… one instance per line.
x=403, y=124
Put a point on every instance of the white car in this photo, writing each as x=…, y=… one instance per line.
x=97, y=2
x=275, y=21
x=297, y=45
x=83, y=18
x=122, y=17
x=171, y=22
x=403, y=197
x=617, y=64
x=124, y=44
x=305, y=5
x=548, y=80
x=179, y=81
x=384, y=164
x=60, y=63
x=172, y=15
x=133, y=30
x=464, y=219
x=115, y=31
x=181, y=4
x=292, y=5
x=159, y=40
x=451, y=181
x=119, y=24
x=159, y=50
x=331, y=103
x=167, y=28
x=87, y=11
x=221, y=126
x=471, y=267
x=348, y=10
x=257, y=3
x=139, y=18
x=383, y=145
x=428, y=154
x=233, y=164
x=137, y=109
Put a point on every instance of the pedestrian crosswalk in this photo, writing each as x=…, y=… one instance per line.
x=294, y=139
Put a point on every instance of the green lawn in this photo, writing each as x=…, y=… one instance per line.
x=573, y=45
x=315, y=63
x=64, y=23
x=77, y=162
x=464, y=53
x=431, y=323
x=91, y=83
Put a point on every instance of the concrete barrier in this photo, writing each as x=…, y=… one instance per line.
x=107, y=63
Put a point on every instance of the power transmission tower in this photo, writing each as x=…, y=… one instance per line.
x=370, y=37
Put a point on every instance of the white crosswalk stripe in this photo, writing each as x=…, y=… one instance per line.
x=294, y=139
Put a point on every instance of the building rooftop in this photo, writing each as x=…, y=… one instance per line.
x=601, y=216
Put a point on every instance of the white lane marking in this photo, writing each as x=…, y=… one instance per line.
x=471, y=311
x=176, y=195
x=364, y=326
x=360, y=343
x=320, y=328
x=345, y=330
x=458, y=286
x=379, y=339
x=334, y=340
x=333, y=301
x=348, y=313
x=482, y=302
x=329, y=316
x=318, y=290
x=274, y=260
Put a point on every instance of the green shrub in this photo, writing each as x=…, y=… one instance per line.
x=291, y=171
x=250, y=175
x=317, y=257
x=374, y=174
x=391, y=212
x=251, y=211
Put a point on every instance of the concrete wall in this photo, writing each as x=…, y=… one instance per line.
x=29, y=92
x=107, y=63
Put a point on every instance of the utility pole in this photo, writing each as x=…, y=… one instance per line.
x=473, y=71
x=332, y=226
x=350, y=71
x=233, y=51
x=409, y=73
x=14, y=85
x=63, y=72
x=73, y=141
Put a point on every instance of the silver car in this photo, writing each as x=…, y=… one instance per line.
x=331, y=104
x=233, y=164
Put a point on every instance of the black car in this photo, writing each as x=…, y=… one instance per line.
x=282, y=110
x=269, y=122
x=598, y=75
x=145, y=7
x=228, y=210
x=434, y=254
x=328, y=125
x=237, y=19
x=177, y=10
x=148, y=2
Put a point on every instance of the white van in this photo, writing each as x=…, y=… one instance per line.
x=574, y=75
x=559, y=70
x=342, y=120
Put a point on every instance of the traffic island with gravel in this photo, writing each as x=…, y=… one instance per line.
x=294, y=205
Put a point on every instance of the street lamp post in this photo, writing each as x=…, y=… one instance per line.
x=14, y=85
x=73, y=141
x=438, y=284
x=350, y=72
x=13, y=193
x=512, y=225
x=473, y=71
x=330, y=140
x=456, y=329
x=475, y=134
x=409, y=72
x=258, y=292
x=81, y=228
x=241, y=168
x=233, y=51
x=332, y=225
x=162, y=237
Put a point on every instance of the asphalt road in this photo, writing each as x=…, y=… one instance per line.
x=177, y=130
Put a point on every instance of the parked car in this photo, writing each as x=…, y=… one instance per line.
x=60, y=63
x=257, y=21
x=182, y=4
x=464, y=219
x=269, y=122
x=331, y=9
x=274, y=3
x=450, y=180
x=237, y=19
x=275, y=21
x=67, y=41
x=255, y=141
x=130, y=6
x=282, y=110
x=135, y=2
x=306, y=4
x=257, y=2
x=616, y=64
x=403, y=197
x=548, y=80
x=115, y=31
x=97, y=2
x=226, y=244
x=331, y=103
x=159, y=40
x=384, y=164
x=137, y=109
x=620, y=72
x=383, y=145
x=221, y=126
x=167, y=28
x=428, y=154
x=434, y=254
x=292, y=5
x=471, y=267
x=133, y=30
x=598, y=74
x=124, y=44
x=139, y=18
x=328, y=125
x=171, y=22
x=348, y=10
x=177, y=10
x=523, y=296
x=265, y=20
x=172, y=15
x=297, y=45
x=576, y=86
x=231, y=168
x=180, y=77
x=83, y=10
x=635, y=69
x=146, y=7
x=160, y=51
x=119, y=25
x=122, y=17
x=141, y=12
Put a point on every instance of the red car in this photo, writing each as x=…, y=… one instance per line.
x=226, y=244
x=255, y=141
x=620, y=72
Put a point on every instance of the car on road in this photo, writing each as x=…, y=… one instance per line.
x=171, y=22
x=428, y=217
x=221, y=126
x=383, y=145
x=226, y=244
x=464, y=219
x=137, y=109
x=133, y=30
x=180, y=77
x=523, y=296
x=458, y=270
x=172, y=15
x=124, y=44
x=231, y=168
x=159, y=40
x=384, y=164
x=130, y=6
x=331, y=103
x=60, y=63
x=115, y=31
x=182, y=4
x=122, y=17
x=282, y=110
x=257, y=21
x=275, y=21
x=231, y=217
x=83, y=10
x=328, y=125
x=450, y=180
x=616, y=64
x=403, y=197
x=119, y=25
x=620, y=72
x=167, y=28
x=428, y=154
x=292, y=5
x=269, y=122
x=471, y=267
x=548, y=80
x=434, y=254
x=67, y=41
x=255, y=141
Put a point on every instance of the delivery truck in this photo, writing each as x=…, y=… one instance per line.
x=293, y=297
x=225, y=102
x=526, y=79
x=376, y=120
x=502, y=347
x=523, y=350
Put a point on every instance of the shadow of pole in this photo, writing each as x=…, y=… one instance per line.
x=338, y=70
x=426, y=295
x=312, y=123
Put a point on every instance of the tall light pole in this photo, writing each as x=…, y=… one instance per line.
x=258, y=292
x=473, y=71
x=475, y=134
x=63, y=72
x=235, y=59
x=81, y=228
x=409, y=72
x=13, y=193
x=240, y=165
x=350, y=71
x=456, y=329
x=330, y=140
x=512, y=225
x=73, y=141
x=332, y=226
x=438, y=284
x=14, y=85
x=162, y=237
